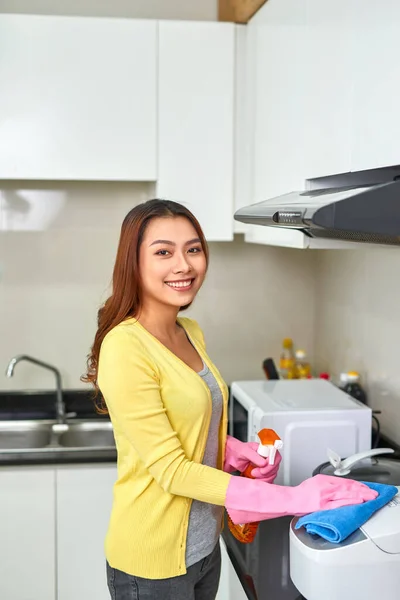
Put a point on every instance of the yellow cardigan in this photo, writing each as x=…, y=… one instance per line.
x=160, y=410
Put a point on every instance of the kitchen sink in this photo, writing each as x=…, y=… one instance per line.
x=24, y=434
x=88, y=435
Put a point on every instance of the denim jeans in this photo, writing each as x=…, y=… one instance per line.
x=199, y=583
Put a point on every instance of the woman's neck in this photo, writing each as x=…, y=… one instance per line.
x=160, y=322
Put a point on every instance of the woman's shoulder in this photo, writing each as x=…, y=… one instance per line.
x=126, y=332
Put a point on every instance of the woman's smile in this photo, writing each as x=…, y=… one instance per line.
x=181, y=285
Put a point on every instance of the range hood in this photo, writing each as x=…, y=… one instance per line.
x=367, y=213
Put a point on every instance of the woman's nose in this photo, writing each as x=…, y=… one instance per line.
x=182, y=264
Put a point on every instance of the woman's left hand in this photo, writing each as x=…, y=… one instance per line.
x=238, y=456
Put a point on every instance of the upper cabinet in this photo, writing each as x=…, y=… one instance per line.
x=78, y=98
x=274, y=86
x=279, y=105
x=352, y=88
x=196, y=121
x=328, y=88
x=376, y=51
x=326, y=94
x=123, y=100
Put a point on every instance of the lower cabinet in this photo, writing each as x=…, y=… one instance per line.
x=230, y=587
x=53, y=521
x=84, y=498
x=27, y=533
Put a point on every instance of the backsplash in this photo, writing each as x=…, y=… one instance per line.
x=358, y=322
x=56, y=265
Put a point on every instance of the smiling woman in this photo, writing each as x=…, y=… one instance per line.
x=168, y=407
x=162, y=250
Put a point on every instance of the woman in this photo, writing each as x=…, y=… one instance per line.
x=168, y=406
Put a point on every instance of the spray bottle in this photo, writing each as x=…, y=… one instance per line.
x=270, y=442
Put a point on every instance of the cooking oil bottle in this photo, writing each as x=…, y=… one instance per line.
x=287, y=363
x=303, y=368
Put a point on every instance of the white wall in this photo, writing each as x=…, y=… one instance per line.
x=55, y=278
x=197, y=10
x=358, y=323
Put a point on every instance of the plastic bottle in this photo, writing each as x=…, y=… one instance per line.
x=270, y=442
x=287, y=366
x=350, y=383
x=303, y=368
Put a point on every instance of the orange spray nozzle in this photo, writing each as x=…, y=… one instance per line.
x=270, y=442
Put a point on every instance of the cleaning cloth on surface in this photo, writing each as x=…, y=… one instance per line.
x=337, y=524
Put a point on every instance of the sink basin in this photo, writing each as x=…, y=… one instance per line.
x=88, y=435
x=24, y=434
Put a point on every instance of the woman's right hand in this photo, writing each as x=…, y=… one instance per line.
x=250, y=500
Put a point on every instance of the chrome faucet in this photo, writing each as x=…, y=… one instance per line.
x=60, y=407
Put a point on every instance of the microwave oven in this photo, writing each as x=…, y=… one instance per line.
x=309, y=415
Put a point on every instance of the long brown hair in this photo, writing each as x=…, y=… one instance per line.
x=126, y=297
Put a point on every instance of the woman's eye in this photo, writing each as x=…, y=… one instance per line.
x=194, y=250
x=162, y=253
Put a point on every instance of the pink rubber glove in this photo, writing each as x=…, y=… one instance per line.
x=238, y=455
x=249, y=500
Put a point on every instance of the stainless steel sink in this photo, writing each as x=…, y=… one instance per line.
x=24, y=434
x=88, y=435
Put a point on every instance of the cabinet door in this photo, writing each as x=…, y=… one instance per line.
x=196, y=120
x=27, y=533
x=328, y=88
x=244, y=119
x=84, y=499
x=279, y=52
x=279, y=152
x=376, y=51
x=78, y=98
x=230, y=587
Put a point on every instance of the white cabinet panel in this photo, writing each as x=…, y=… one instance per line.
x=230, y=587
x=328, y=88
x=196, y=120
x=78, y=98
x=244, y=119
x=84, y=500
x=278, y=49
x=279, y=151
x=27, y=533
x=376, y=52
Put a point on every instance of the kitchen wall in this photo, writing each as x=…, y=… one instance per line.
x=56, y=261
x=358, y=323
x=202, y=10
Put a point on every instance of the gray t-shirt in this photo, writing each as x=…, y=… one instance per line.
x=205, y=519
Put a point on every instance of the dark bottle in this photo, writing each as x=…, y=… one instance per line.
x=350, y=383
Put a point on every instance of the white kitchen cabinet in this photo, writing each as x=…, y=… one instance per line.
x=328, y=88
x=230, y=587
x=376, y=52
x=196, y=121
x=277, y=55
x=84, y=500
x=78, y=98
x=27, y=533
x=244, y=120
x=279, y=141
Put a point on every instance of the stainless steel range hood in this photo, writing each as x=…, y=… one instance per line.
x=365, y=214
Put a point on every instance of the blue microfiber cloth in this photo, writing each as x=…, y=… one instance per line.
x=337, y=524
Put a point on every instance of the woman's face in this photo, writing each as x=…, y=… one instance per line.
x=171, y=261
